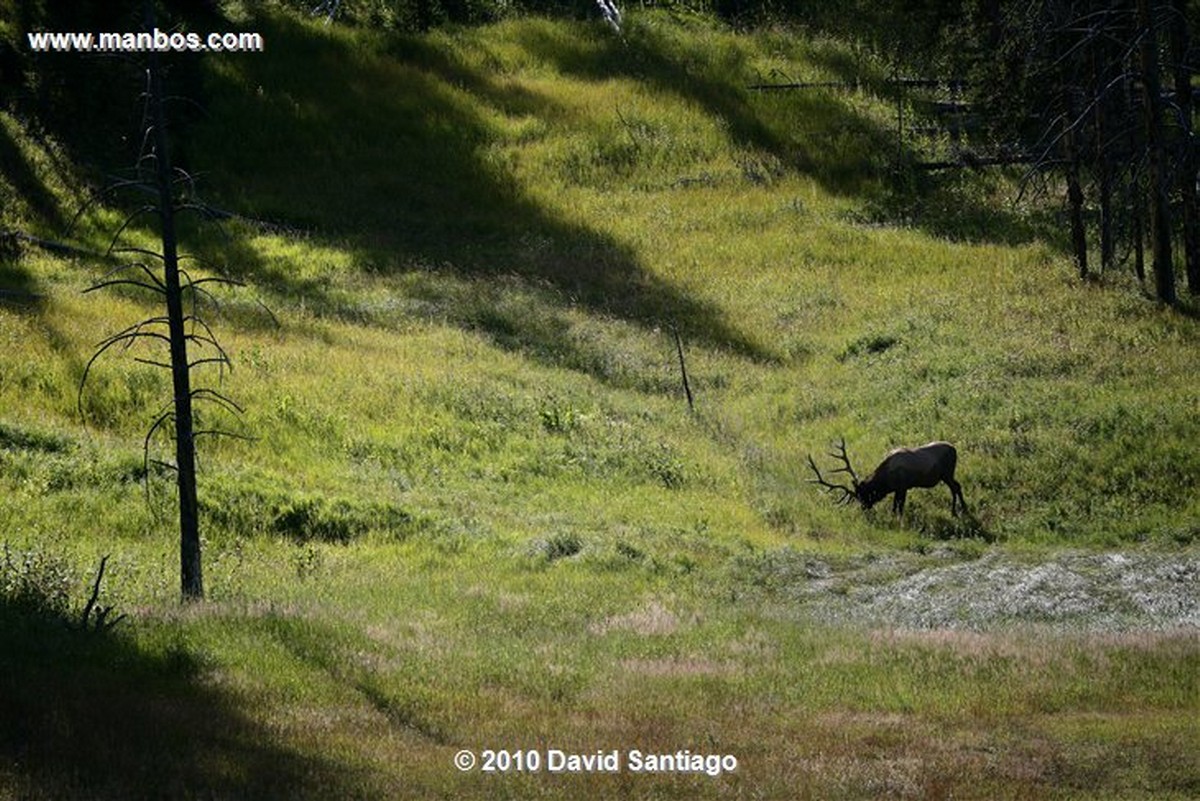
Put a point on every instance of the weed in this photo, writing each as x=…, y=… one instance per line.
x=560, y=546
x=665, y=466
x=558, y=418
x=307, y=560
x=35, y=582
x=869, y=344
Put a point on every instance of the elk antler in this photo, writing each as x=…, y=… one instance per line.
x=848, y=494
x=841, y=454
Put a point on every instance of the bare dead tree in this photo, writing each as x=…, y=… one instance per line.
x=1093, y=78
x=1074, y=161
x=181, y=330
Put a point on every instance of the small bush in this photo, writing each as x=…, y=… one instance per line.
x=869, y=344
x=559, y=418
x=34, y=582
x=665, y=466
x=560, y=546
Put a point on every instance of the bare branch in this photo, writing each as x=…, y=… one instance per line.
x=146, y=460
x=206, y=393
x=219, y=432
x=270, y=313
x=101, y=621
x=142, y=251
x=127, y=336
x=137, y=265
x=199, y=208
x=128, y=281
x=136, y=329
x=211, y=360
x=208, y=338
x=97, y=196
x=197, y=320
x=216, y=279
x=128, y=221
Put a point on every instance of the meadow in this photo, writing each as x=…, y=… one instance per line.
x=475, y=510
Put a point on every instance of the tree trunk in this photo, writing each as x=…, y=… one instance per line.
x=1108, y=248
x=1182, y=73
x=1138, y=236
x=191, y=578
x=1074, y=187
x=1104, y=158
x=1133, y=199
x=1160, y=201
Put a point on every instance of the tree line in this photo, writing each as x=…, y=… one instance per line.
x=1102, y=95
x=1098, y=95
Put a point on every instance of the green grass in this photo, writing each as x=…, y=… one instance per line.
x=476, y=512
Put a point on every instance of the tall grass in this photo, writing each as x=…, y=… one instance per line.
x=477, y=512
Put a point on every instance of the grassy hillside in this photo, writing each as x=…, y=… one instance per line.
x=476, y=511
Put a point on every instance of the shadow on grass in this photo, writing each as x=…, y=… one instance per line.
x=25, y=181
x=18, y=289
x=391, y=158
x=958, y=204
x=326, y=650
x=386, y=151
x=817, y=132
x=92, y=715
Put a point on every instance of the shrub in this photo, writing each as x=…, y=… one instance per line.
x=34, y=582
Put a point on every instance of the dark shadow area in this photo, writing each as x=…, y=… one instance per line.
x=24, y=180
x=391, y=159
x=90, y=715
x=89, y=104
x=18, y=289
x=386, y=158
x=955, y=204
x=326, y=650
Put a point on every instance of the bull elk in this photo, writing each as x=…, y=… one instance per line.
x=901, y=470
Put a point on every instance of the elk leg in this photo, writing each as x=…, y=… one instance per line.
x=956, y=497
x=898, y=501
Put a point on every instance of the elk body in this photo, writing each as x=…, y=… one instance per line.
x=901, y=470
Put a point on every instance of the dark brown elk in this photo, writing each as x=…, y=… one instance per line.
x=901, y=470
